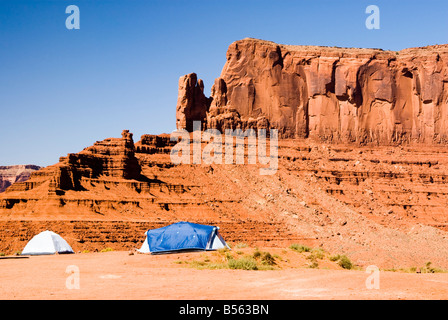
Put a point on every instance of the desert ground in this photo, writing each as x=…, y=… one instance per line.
x=127, y=275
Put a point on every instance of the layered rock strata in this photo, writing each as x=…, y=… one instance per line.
x=112, y=157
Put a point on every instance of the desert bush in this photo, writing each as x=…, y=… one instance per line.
x=225, y=252
x=257, y=253
x=197, y=263
x=276, y=256
x=429, y=269
x=228, y=256
x=334, y=257
x=313, y=260
x=205, y=264
x=264, y=257
x=345, y=262
x=318, y=253
x=222, y=250
x=215, y=266
x=244, y=263
x=267, y=259
x=299, y=248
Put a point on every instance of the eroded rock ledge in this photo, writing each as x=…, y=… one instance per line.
x=328, y=94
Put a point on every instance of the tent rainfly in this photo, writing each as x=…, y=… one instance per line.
x=182, y=236
x=47, y=242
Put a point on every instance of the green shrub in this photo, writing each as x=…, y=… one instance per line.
x=223, y=250
x=107, y=249
x=244, y=263
x=205, y=264
x=257, y=253
x=268, y=259
x=264, y=257
x=335, y=257
x=228, y=256
x=217, y=266
x=429, y=269
x=318, y=253
x=345, y=262
x=299, y=248
x=197, y=263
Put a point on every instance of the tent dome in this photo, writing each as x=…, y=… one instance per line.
x=182, y=236
x=46, y=242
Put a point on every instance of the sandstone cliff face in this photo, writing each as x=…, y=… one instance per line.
x=12, y=174
x=153, y=144
x=191, y=102
x=327, y=94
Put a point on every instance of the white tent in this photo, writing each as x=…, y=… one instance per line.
x=215, y=240
x=47, y=242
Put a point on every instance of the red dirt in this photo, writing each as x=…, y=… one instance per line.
x=118, y=275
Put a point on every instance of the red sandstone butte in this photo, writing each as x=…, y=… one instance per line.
x=329, y=94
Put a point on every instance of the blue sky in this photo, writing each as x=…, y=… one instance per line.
x=61, y=90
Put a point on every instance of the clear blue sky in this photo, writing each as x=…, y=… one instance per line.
x=61, y=90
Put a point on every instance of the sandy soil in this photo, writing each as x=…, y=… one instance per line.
x=121, y=275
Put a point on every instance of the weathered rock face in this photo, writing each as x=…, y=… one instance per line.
x=112, y=157
x=328, y=94
x=13, y=174
x=152, y=144
x=191, y=102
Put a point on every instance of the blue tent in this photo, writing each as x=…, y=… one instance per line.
x=182, y=236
